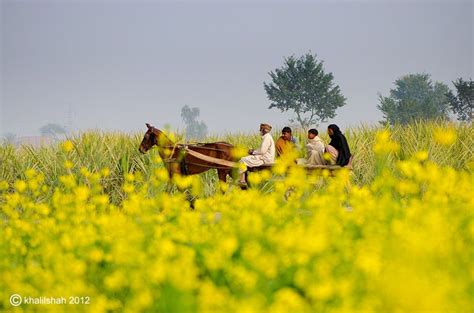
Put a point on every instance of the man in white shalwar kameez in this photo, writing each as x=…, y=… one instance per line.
x=264, y=155
x=315, y=149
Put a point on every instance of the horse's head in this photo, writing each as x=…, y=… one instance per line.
x=153, y=136
x=148, y=140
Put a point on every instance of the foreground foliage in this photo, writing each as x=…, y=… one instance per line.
x=403, y=242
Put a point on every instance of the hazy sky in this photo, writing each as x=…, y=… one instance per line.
x=116, y=65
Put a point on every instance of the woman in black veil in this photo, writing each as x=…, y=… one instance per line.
x=338, y=147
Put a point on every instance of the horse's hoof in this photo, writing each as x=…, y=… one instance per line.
x=243, y=185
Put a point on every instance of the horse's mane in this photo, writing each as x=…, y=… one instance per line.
x=159, y=133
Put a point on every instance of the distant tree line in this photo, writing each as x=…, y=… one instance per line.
x=417, y=97
x=462, y=100
x=50, y=130
x=303, y=87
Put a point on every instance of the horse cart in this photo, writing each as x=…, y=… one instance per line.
x=190, y=159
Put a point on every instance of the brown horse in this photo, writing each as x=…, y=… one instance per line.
x=176, y=159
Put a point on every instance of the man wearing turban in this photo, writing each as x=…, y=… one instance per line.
x=263, y=155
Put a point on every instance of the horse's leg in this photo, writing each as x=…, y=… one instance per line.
x=169, y=187
x=187, y=192
x=222, y=174
x=169, y=183
x=234, y=174
x=190, y=198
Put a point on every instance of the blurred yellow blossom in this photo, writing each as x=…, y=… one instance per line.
x=445, y=137
x=105, y=172
x=3, y=185
x=67, y=146
x=383, y=144
x=20, y=185
x=421, y=155
x=68, y=164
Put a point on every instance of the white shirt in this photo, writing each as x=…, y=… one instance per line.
x=266, y=152
x=315, y=144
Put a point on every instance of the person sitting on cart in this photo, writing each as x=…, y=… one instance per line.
x=338, y=148
x=286, y=143
x=263, y=155
x=314, y=149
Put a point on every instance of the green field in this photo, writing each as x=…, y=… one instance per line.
x=118, y=152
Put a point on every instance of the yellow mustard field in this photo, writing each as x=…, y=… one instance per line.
x=401, y=242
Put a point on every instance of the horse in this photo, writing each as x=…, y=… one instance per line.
x=179, y=161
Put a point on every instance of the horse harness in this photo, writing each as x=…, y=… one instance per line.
x=184, y=165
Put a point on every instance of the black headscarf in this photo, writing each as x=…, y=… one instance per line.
x=338, y=141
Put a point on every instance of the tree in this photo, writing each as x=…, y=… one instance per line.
x=52, y=130
x=9, y=138
x=463, y=102
x=414, y=98
x=301, y=85
x=194, y=128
